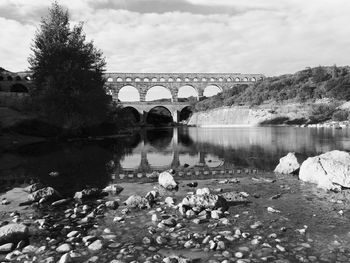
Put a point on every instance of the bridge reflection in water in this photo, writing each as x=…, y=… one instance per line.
x=170, y=150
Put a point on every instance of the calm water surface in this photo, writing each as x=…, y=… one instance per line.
x=97, y=163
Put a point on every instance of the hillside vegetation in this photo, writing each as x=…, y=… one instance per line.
x=324, y=89
x=309, y=84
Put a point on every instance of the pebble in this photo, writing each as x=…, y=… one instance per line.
x=5, y=248
x=64, y=248
x=96, y=245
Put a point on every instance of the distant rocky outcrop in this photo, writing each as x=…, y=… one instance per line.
x=329, y=171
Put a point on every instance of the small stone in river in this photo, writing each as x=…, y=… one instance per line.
x=118, y=219
x=64, y=248
x=256, y=225
x=192, y=184
x=5, y=201
x=272, y=210
x=6, y=248
x=96, y=245
x=239, y=255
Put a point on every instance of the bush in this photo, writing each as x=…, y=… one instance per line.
x=322, y=112
x=340, y=115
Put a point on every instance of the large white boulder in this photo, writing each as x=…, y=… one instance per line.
x=166, y=180
x=288, y=164
x=329, y=170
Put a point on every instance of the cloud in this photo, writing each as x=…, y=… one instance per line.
x=270, y=36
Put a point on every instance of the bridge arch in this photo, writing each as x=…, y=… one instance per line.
x=128, y=93
x=131, y=113
x=212, y=90
x=158, y=92
x=187, y=91
x=158, y=115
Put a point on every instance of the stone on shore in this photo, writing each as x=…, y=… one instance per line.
x=329, y=171
x=166, y=180
x=45, y=193
x=13, y=233
x=113, y=189
x=236, y=197
x=288, y=164
x=204, y=201
x=6, y=248
x=33, y=187
x=88, y=193
x=136, y=201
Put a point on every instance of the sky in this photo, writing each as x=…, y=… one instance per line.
x=272, y=37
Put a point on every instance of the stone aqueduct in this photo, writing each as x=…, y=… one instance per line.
x=143, y=82
x=174, y=81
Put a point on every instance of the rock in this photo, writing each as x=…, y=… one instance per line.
x=166, y=180
x=113, y=189
x=192, y=184
x=273, y=210
x=169, y=201
x=112, y=204
x=64, y=248
x=45, y=193
x=88, y=193
x=288, y=164
x=329, y=170
x=13, y=233
x=170, y=222
x=96, y=245
x=60, y=202
x=5, y=201
x=73, y=233
x=203, y=191
x=136, y=201
x=6, y=248
x=29, y=249
x=204, y=201
x=34, y=187
x=66, y=258
x=235, y=197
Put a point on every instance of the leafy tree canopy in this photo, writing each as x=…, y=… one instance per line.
x=68, y=73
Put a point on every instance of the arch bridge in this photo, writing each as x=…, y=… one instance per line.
x=143, y=82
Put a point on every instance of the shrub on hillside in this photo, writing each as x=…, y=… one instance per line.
x=322, y=112
x=340, y=115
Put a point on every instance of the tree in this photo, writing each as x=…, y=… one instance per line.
x=67, y=73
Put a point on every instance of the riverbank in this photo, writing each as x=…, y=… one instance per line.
x=283, y=219
x=325, y=113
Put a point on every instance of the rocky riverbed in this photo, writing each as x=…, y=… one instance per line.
x=245, y=218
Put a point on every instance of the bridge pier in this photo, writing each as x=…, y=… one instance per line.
x=175, y=114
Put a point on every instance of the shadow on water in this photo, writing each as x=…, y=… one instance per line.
x=94, y=163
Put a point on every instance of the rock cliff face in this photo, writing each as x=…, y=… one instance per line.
x=230, y=116
x=245, y=116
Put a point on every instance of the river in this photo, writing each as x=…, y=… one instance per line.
x=187, y=149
